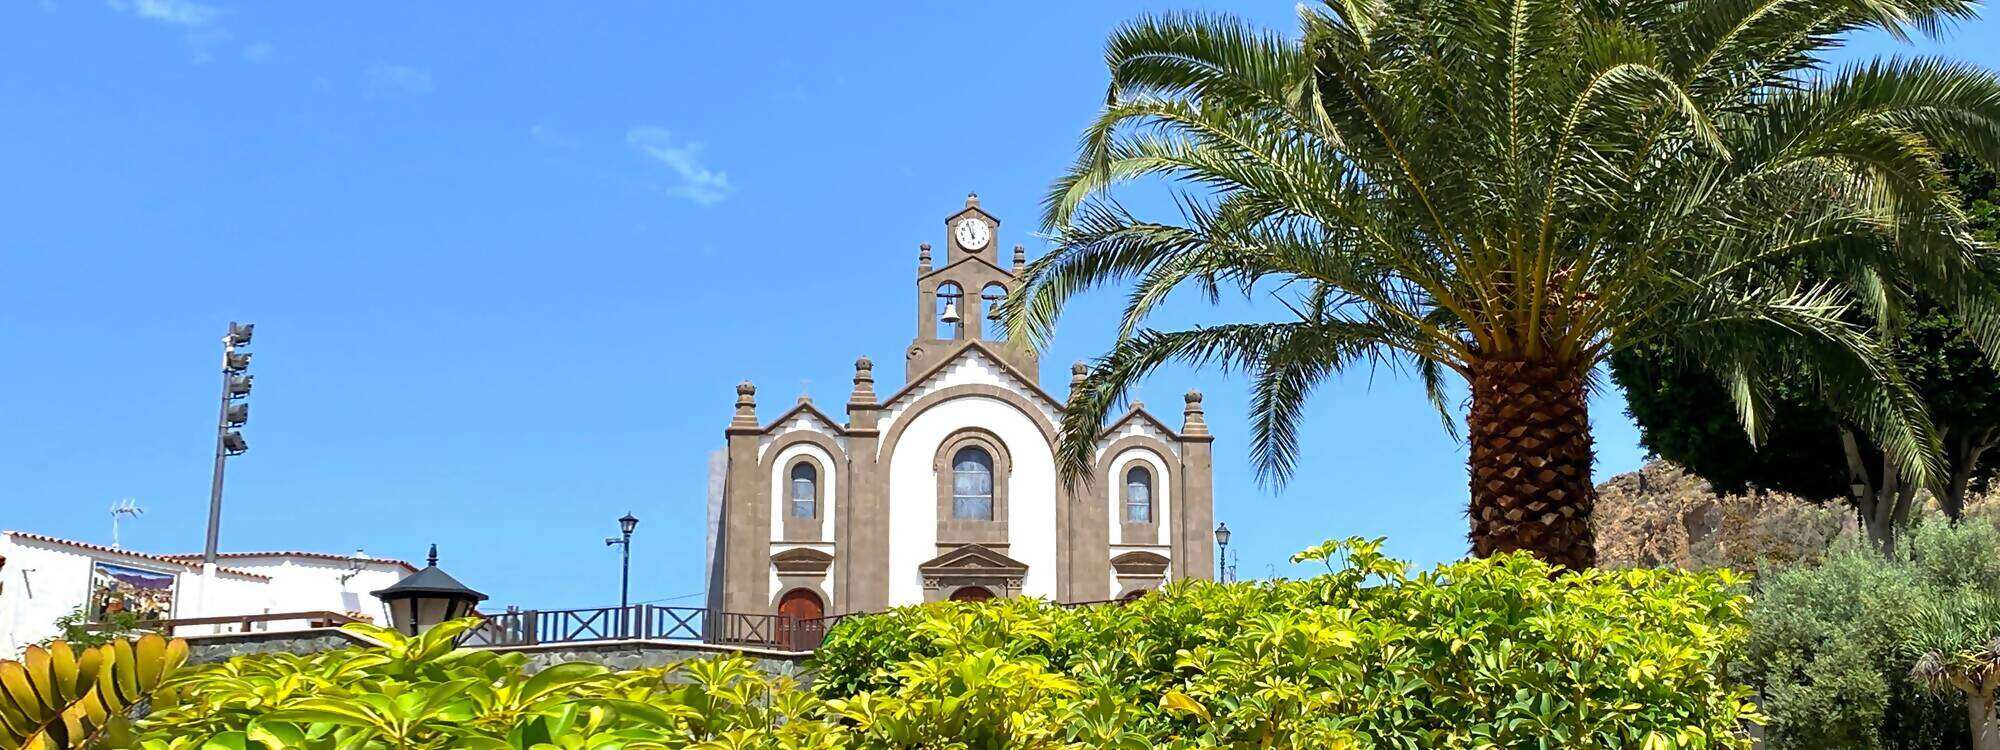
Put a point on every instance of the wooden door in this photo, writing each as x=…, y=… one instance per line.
x=798, y=610
x=801, y=604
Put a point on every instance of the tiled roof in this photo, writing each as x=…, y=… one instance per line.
x=129, y=553
x=296, y=553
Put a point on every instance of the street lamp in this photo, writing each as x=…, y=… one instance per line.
x=1222, y=558
x=426, y=598
x=626, y=524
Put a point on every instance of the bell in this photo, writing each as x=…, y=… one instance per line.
x=950, y=316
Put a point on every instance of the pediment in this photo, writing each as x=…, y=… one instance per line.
x=804, y=560
x=973, y=559
x=969, y=258
x=1140, y=563
x=1145, y=420
x=1012, y=377
x=809, y=417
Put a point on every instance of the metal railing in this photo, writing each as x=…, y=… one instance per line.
x=648, y=622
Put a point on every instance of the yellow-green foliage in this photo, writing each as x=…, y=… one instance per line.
x=59, y=697
x=1476, y=654
x=1482, y=653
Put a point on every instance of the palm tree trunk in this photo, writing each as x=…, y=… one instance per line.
x=1531, y=454
x=1983, y=712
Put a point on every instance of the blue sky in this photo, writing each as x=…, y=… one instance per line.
x=497, y=259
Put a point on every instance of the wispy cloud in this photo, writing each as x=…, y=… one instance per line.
x=400, y=77
x=697, y=182
x=176, y=12
x=259, y=52
x=549, y=136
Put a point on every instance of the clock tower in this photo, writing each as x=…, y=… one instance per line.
x=960, y=290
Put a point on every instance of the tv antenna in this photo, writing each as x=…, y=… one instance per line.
x=124, y=507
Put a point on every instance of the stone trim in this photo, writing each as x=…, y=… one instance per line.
x=1139, y=570
x=1130, y=531
x=802, y=561
x=953, y=530
x=985, y=347
x=904, y=418
x=809, y=529
x=1146, y=533
x=835, y=474
x=1139, y=412
x=806, y=407
x=971, y=565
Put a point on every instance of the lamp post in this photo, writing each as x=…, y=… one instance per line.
x=626, y=524
x=1222, y=557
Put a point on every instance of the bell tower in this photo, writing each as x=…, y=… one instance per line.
x=959, y=292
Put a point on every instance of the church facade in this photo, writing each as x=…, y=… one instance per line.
x=946, y=487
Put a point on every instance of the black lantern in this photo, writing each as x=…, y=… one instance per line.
x=627, y=524
x=427, y=598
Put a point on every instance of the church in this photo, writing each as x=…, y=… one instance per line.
x=946, y=488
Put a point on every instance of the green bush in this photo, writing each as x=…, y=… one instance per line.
x=1481, y=653
x=1478, y=654
x=1862, y=651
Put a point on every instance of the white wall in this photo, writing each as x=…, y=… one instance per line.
x=913, y=501
x=307, y=584
x=43, y=581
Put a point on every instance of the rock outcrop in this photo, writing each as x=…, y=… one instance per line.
x=1662, y=515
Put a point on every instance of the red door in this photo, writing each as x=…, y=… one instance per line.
x=972, y=594
x=795, y=607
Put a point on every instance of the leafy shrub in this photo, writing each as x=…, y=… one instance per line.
x=77, y=629
x=1478, y=654
x=420, y=693
x=1864, y=651
x=57, y=697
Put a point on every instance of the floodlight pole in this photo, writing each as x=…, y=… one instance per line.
x=215, y=483
x=209, y=551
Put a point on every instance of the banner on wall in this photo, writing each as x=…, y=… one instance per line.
x=114, y=588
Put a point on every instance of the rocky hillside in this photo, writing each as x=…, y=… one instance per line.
x=1662, y=515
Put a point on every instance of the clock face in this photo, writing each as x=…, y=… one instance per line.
x=972, y=234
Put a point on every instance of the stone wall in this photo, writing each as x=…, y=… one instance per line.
x=613, y=654
x=211, y=648
x=637, y=654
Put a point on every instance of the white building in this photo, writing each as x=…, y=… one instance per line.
x=43, y=579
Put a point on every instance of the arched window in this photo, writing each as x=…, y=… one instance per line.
x=1138, y=495
x=989, y=300
x=972, y=484
x=805, y=490
x=950, y=311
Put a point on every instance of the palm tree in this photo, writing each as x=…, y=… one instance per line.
x=1510, y=191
